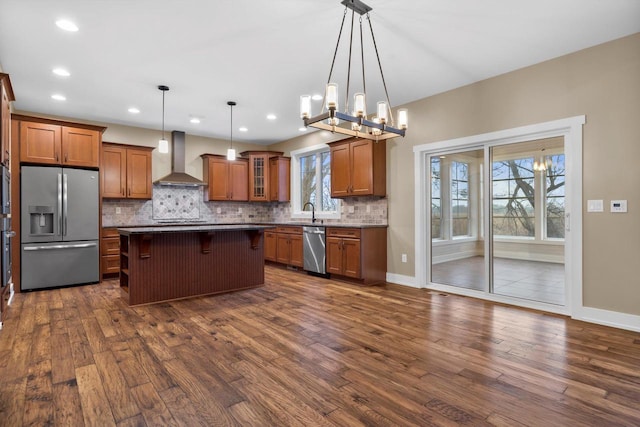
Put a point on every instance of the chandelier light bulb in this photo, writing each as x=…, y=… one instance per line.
x=332, y=96
x=382, y=112
x=359, y=105
x=305, y=106
x=403, y=118
x=231, y=154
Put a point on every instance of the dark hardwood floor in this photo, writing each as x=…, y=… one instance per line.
x=304, y=351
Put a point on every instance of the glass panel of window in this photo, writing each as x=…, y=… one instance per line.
x=460, y=198
x=456, y=190
x=555, y=186
x=513, y=211
x=315, y=181
x=308, y=179
x=436, y=201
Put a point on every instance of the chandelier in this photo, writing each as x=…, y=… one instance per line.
x=355, y=122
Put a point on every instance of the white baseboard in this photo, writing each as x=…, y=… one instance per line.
x=614, y=319
x=401, y=279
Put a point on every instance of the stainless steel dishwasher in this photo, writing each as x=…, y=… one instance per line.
x=314, y=250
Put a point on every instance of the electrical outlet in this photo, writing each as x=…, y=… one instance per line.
x=404, y=257
x=239, y=210
x=368, y=208
x=118, y=210
x=219, y=210
x=351, y=209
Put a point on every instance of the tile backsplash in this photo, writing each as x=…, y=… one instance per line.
x=186, y=204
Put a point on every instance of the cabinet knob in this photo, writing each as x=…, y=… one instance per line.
x=123, y=191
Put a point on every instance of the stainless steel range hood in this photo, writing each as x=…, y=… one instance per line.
x=178, y=177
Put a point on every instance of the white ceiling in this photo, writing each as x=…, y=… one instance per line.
x=265, y=54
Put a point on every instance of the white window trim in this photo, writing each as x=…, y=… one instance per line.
x=296, y=205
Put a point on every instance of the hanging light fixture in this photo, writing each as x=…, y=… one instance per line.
x=163, y=144
x=231, y=153
x=355, y=122
x=543, y=164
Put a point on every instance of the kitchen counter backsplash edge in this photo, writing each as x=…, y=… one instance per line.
x=188, y=207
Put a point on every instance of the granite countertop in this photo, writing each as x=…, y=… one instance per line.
x=331, y=225
x=193, y=226
x=183, y=228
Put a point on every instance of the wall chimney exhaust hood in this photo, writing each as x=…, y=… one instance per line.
x=178, y=177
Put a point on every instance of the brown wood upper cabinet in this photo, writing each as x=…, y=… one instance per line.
x=268, y=176
x=126, y=171
x=279, y=178
x=358, y=168
x=226, y=179
x=6, y=96
x=47, y=142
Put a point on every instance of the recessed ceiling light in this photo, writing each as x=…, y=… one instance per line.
x=194, y=120
x=67, y=25
x=302, y=129
x=61, y=72
x=58, y=97
x=317, y=97
x=271, y=116
x=133, y=110
x=243, y=129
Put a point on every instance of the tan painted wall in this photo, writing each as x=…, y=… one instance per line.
x=603, y=83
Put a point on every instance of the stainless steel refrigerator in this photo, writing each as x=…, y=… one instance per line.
x=59, y=227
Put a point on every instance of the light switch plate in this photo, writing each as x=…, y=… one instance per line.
x=618, y=206
x=118, y=210
x=595, y=206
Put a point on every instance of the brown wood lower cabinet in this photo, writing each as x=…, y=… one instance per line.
x=110, y=252
x=358, y=253
x=271, y=246
x=284, y=245
x=290, y=246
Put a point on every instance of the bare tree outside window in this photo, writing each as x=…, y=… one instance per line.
x=555, y=188
x=436, y=200
x=315, y=181
x=514, y=197
x=460, y=198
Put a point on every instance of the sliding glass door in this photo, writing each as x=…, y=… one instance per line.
x=519, y=199
x=457, y=240
x=527, y=220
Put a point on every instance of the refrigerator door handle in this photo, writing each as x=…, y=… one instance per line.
x=50, y=247
x=60, y=204
x=65, y=203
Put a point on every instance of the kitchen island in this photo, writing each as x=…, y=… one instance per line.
x=172, y=262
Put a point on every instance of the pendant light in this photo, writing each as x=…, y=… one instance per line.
x=163, y=144
x=231, y=153
x=355, y=122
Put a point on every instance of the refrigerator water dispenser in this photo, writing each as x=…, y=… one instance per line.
x=41, y=220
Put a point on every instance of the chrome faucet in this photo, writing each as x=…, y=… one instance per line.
x=313, y=211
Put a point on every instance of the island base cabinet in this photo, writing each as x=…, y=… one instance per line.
x=166, y=266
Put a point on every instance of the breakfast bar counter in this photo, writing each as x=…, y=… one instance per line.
x=173, y=262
